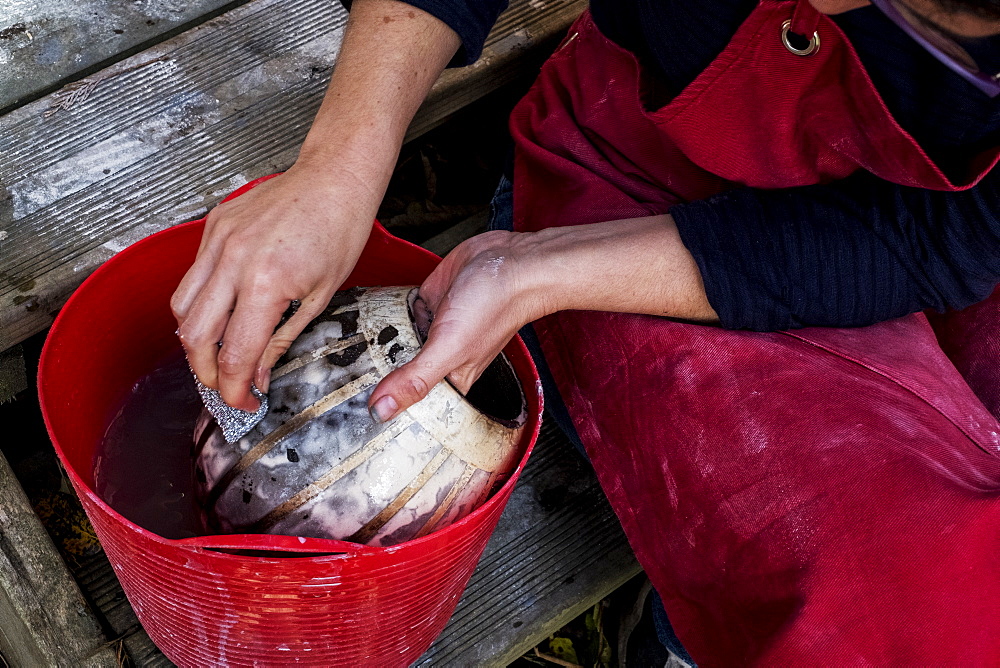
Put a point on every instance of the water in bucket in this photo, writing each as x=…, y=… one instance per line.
x=143, y=469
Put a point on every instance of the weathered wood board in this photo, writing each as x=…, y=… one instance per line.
x=161, y=137
x=44, y=619
x=44, y=42
x=557, y=550
x=443, y=243
x=166, y=134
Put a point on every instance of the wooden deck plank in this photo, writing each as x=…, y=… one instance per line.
x=443, y=243
x=557, y=550
x=44, y=619
x=163, y=137
x=167, y=133
x=45, y=42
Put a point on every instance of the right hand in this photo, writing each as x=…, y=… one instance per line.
x=296, y=236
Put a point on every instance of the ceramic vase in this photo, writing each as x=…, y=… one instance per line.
x=319, y=465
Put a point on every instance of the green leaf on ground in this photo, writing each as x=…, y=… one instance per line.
x=562, y=648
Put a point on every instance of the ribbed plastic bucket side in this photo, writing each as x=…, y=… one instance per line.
x=207, y=608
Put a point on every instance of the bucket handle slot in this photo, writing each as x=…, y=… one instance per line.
x=273, y=544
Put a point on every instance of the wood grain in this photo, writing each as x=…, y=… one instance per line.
x=44, y=43
x=44, y=619
x=557, y=550
x=169, y=132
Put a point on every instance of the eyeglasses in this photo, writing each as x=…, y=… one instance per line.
x=943, y=47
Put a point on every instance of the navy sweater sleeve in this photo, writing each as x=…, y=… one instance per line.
x=850, y=253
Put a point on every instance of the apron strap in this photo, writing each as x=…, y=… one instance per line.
x=805, y=19
x=799, y=34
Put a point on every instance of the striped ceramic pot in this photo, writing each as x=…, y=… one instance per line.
x=318, y=465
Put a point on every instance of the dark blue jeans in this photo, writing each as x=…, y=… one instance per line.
x=502, y=218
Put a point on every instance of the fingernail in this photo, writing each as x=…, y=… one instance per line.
x=423, y=317
x=250, y=406
x=262, y=380
x=384, y=409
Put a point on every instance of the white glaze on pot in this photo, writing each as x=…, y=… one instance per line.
x=338, y=474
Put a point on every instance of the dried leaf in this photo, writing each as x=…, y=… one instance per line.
x=78, y=91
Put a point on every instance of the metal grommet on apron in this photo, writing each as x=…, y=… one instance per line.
x=811, y=48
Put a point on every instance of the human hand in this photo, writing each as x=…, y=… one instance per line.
x=485, y=290
x=294, y=237
x=493, y=284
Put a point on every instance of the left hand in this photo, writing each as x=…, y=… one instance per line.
x=493, y=284
x=480, y=295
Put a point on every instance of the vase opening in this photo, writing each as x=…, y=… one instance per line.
x=497, y=394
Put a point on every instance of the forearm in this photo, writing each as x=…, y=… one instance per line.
x=638, y=265
x=391, y=55
x=297, y=237
x=491, y=285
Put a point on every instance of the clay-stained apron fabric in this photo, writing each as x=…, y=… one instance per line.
x=816, y=497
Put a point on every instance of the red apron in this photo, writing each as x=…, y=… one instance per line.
x=817, y=497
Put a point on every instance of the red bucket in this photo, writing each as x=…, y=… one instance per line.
x=200, y=603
